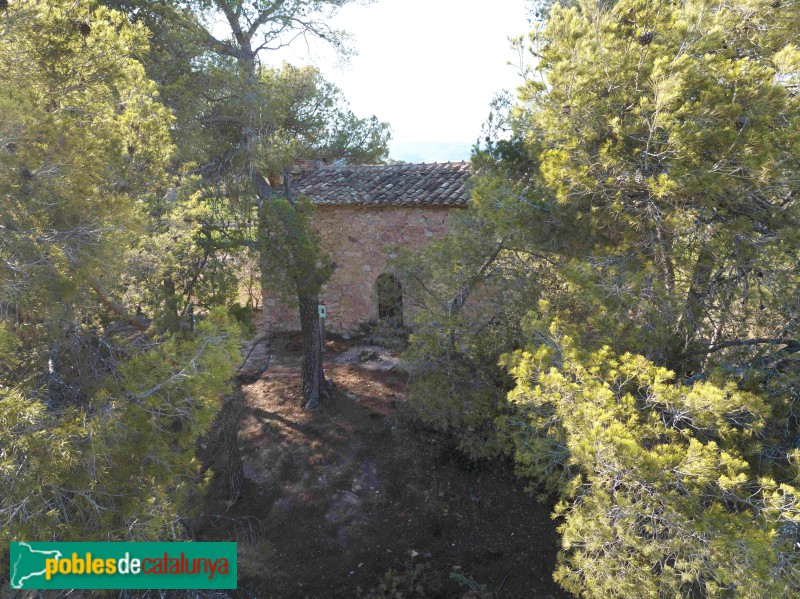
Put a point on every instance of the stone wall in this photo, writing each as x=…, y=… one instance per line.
x=360, y=240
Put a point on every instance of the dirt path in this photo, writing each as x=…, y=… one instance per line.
x=338, y=497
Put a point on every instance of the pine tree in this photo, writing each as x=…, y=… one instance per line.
x=657, y=498
x=244, y=124
x=668, y=137
x=99, y=413
x=645, y=178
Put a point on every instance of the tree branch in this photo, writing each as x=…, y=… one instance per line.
x=457, y=303
x=786, y=343
x=262, y=18
x=211, y=43
x=137, y=321
x=219, y=47
x=242, y=38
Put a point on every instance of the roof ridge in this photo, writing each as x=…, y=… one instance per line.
x=407, y=184
x=448, y=162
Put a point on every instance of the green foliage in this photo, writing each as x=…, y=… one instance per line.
x=122, y=466
x=469, y=295
x=241, y=125
x=658, y=497
x=186, y=257
x=638, y=206
x=83, y=139
x=670, y=142
x=289, y=249
x=83, y=148
x=472, y=291
x=308, y=118
x=243, y=316
x=8, y=348
x=98, y=419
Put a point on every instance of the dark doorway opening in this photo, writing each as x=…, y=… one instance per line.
x=390, y=299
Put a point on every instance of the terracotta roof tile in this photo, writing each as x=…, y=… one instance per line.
x=428, y=184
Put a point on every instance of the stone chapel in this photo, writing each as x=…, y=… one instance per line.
x=363, y=215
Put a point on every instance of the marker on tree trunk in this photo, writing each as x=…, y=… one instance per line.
x=323, y=314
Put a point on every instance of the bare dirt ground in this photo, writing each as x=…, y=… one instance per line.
x=356, y=499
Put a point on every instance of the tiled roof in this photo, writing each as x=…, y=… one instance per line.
x=434, y=184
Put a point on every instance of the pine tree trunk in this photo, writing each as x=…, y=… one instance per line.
x=694, y=312
x=314, y=385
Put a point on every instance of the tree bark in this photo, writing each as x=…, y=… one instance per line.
x=137, y=321
x=314, y=386
x=663, y=258
x=694, y=309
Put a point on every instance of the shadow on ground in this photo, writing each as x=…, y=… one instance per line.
x=355, y=496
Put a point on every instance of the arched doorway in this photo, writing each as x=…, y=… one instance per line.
x=390, y=300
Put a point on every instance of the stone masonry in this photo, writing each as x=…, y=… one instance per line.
x=363, y=216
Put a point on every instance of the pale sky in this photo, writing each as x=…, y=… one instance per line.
x=428, y=67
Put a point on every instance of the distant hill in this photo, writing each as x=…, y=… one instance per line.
x=430, y=151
